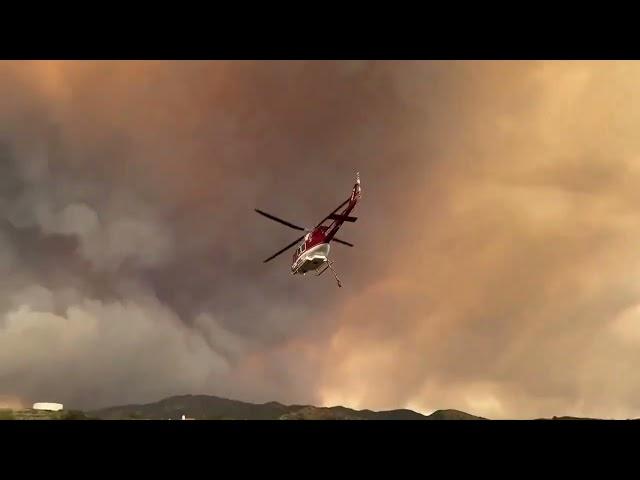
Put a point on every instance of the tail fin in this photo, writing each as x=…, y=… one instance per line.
x=357, y=190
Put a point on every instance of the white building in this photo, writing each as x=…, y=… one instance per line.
x=52, y=407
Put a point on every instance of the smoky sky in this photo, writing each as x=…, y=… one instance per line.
x=496, y=248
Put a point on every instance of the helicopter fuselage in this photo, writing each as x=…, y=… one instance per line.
x=311, y=253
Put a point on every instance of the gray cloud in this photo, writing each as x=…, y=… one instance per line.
x=95, y=350
x=496, y=248
x=150, y=184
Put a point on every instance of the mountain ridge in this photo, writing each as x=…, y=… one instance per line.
x=209, y=407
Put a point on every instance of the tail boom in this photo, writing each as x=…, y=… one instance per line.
x=340, y=218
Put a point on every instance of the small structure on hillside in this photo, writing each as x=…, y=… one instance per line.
x=51, y=407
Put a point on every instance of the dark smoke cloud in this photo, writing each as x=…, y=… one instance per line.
x=131, y=246
x=495, y=263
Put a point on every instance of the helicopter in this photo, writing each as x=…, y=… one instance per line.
x=312, y=254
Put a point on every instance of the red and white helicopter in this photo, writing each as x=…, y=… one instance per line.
x=313, y=252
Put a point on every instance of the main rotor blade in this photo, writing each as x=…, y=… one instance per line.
x=284, y=249
x=342, y=242
x=279, y=220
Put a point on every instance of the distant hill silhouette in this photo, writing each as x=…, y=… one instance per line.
x=206, y=407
